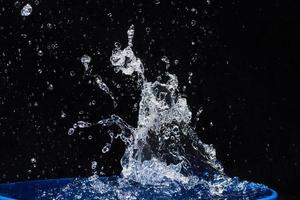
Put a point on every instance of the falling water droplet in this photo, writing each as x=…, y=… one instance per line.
x=40, y=53
x=63, y=114
x=148, y=29
x=71, y=131
x=190, y=77
x=82, y=124
x=199, y=111
x=72, y=73
x=106, y=148
x=193, y=22
x=17, y=4
x=166, y=60
x=26, y=10
x=94, y=165
x=118, y=45
x=157, y=2
x=50, y=87
x=194, y=10
x=85, y=59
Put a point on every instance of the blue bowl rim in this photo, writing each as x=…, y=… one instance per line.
x=273, y=196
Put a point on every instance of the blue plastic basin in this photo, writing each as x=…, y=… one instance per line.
x=30, y=189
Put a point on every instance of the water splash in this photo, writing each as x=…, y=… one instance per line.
x=125, y=60
x=86, y=60
x=105, y=88
x=164, y=157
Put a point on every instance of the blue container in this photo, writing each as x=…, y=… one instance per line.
x=30, y=189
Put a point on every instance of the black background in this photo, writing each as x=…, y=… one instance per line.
x=242, y=55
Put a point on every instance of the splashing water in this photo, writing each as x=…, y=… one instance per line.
x=85, y=60
x=125, y=60
x=164, y=157
x=105, y=88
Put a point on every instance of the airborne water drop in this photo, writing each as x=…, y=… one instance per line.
x=26, y=10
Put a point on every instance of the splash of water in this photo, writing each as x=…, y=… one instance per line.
x=164, y=155
x=85, y=60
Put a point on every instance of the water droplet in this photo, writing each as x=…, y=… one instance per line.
x=40, y=53
x=49, y=25
x=82, y=124
x=50, y=87
x=71, y=131
x=26, y=10
x=106, y=148
x=157, y=2
x=85, y=59
x=94, y=165
x=118, y=45
x=193, y=22
x=148, y=29
x=17, y=4
x=72, y=73
x=199, y=112
x=63, y=114
x=190, y=77
x=81, y=112
x=166, y=60
x=194, y=10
